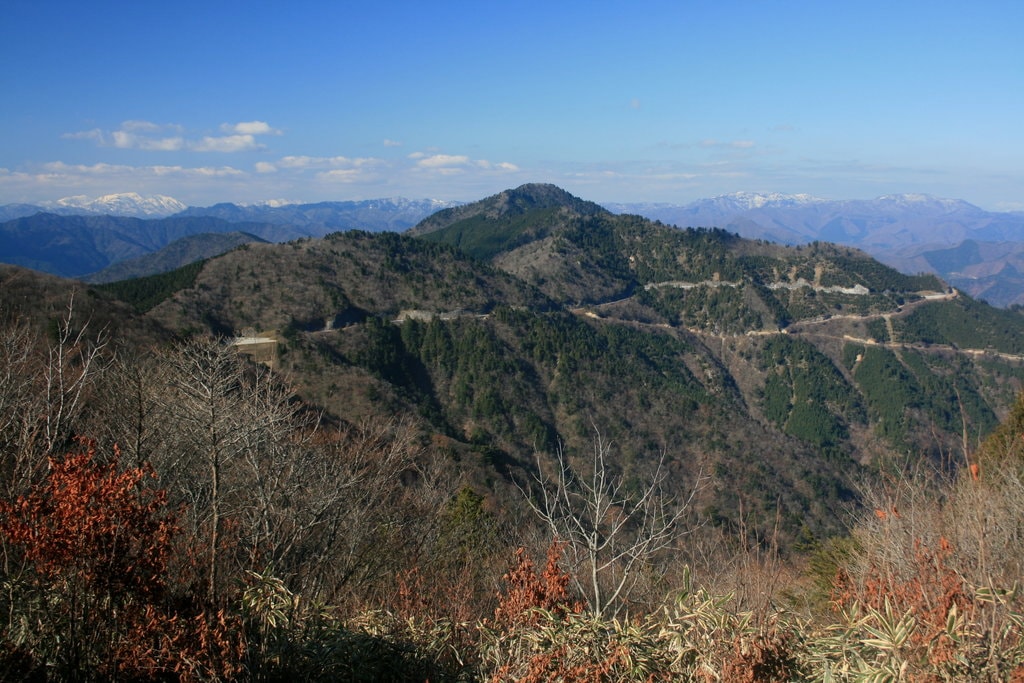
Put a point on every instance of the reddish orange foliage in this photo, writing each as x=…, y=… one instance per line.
x=767, y=657
x=929, y=592
x=99, y=540
x=558, y=665
x=883, y=515
x=94, y=524
x=528, y=590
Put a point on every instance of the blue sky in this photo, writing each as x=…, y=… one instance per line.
x=616, y=102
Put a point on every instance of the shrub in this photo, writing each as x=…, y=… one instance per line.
x=93, y=543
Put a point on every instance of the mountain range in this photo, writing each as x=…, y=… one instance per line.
x=888, y=222
x=781, y=379
x=911, y=232
x=121, y=204
x=394, y=213
x=86, y=245
x=979, y=252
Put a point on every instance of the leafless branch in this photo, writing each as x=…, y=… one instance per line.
x=610, y=534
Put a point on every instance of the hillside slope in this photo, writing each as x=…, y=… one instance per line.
x=175, y=255
x=975, y=250
x=74, y=246
x=780, y=377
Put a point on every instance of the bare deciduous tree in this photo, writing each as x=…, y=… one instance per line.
x=73, y=358
x=132, y=407
x=262, y=483
x=610, y=532
x=374, y=519
x=239, y=424
x=18, y=409
x=43, y=390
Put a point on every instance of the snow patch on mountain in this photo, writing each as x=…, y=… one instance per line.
x=272, y=203
x=120, y=204
x=757, y=200
x=917, y=201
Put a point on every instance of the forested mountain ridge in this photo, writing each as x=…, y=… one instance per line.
x=321, y=218
x=966, y=246
x=322, y=284
x=412, y=414
x=580, y=253
x=778, y=372
x=75, y=246
x=179, y=253
x=973, y=249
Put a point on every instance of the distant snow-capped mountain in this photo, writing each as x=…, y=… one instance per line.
x=911, y=232
x=745, y=201
x=395, y=213
x=927, y=202
x=120, y=204
x=130, y=204
x=735, y=202
x=82, y=243
x=888, y=222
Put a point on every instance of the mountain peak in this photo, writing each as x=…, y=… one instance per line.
x=121, y=204
x=539, y=196
x=919, y=200
x=515, y=202
x=757, y=200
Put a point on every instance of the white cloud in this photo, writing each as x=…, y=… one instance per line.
x=163, y=145
x=226, y=143
x=295, y=162
x=439, y=161
x=454, y=164
x=169, y=137
x=491, y=166
x=200, y=172
x=734, y=144
x=126, y=140
x=341, y=175
x=250, y=128
x=143, y=135
x=146, y=135
x=142, y=126
x=197, y=185
x=392, y=143
x=59, y=167
x=427, y=172
x=56, y=169
x=52, y=180
x=325, y=162
x=94, y=134
x=710, y=143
